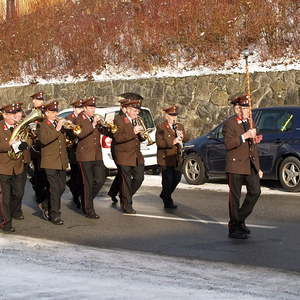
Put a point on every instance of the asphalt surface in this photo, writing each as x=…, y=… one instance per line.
x=196, y=230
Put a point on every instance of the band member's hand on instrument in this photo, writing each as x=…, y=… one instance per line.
x=258, y=139
x=23, y=146
x=260, y=174
x=177, y=140
x=250, y=134
x=97, y=119
x=59, y=124
x=137, y=129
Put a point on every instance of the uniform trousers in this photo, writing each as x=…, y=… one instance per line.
x=75, y=183
x=57, y=184
x=238, y=213
x=132, y=178
x=12, y=187
x=18, y=209
x=115, y=186
x=93, y=177
x=170, y=177
x=39, y=180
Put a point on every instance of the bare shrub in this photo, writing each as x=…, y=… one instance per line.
x=80, y=37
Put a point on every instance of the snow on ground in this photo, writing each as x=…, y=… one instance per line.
x=39, y=269
x=153, y=180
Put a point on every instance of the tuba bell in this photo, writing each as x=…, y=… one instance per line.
x=21, y=132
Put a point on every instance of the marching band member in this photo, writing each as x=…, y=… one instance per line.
x=39, y=180
x=19, y=115
x=169, y=138
x=89, y=156
x=128, y=156
x=242, y=166
x=115, y=186
x=75, y=182
x=54, y=159
x=11, y=169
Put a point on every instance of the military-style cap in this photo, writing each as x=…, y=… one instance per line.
x=130, y=96
x=172, y=110
x=38, y=96
x=89, y=102
x=9, y=109
x=19, y=106
x=78, y=103
x=52, y=106
x=241, y=100
x=132, y=103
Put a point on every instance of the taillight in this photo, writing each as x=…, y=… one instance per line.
x=106, y=142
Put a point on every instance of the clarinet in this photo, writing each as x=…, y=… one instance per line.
x=180, y=144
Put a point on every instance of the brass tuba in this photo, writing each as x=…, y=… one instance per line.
x=145, y=134
x=21, y=132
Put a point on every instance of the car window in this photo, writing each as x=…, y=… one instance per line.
x=64, y=114
x=147, y=118
x=273, y=121
x=217, y=133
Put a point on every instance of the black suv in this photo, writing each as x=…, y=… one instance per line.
x=279, y=151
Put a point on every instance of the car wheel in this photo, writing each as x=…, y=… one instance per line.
x=289, y=174
x=194, y=170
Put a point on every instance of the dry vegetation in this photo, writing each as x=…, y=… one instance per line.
x=81, y=37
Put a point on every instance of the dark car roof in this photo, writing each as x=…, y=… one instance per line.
x=286, y=107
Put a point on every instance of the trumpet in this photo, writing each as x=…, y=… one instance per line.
x=110, y=126
x=145, y=134
x=67, y=124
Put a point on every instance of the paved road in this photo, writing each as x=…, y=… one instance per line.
x=197, y=230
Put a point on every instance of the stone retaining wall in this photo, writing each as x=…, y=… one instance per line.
x=203, y=99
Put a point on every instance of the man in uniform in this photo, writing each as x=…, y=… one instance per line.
x=89, y=156
x=170, y=136
x=11, y=169
x=19, y=115
x=242, y=167
x=54, y=159
x=75, y=182
x=128, y=156
x=39, y=179
x=115, y=186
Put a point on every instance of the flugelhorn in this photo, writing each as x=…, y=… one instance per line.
x=68, y=124
x=110, y=126
x=145, y=134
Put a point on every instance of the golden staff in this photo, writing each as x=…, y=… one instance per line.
x=246, y=52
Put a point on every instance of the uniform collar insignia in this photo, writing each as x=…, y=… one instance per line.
x=48, y=122
x=126, y=120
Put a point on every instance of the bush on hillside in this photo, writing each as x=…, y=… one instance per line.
x=81, y=37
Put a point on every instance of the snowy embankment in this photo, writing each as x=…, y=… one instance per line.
x=218, y=186
x=39, y=269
